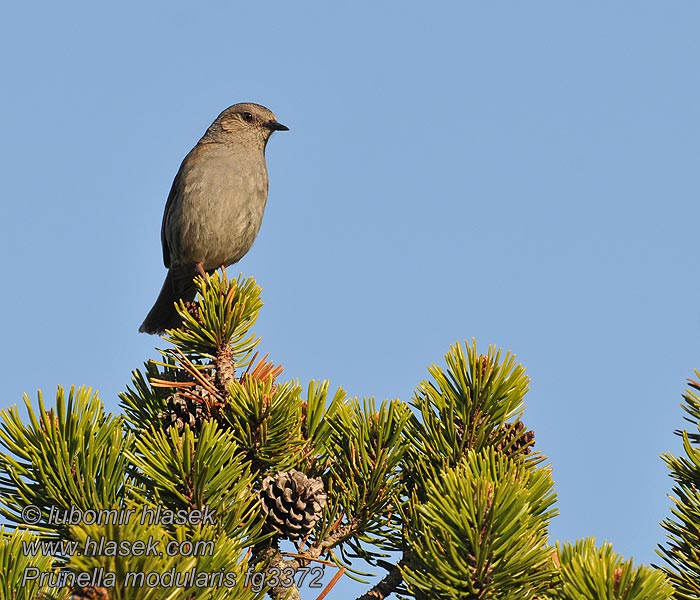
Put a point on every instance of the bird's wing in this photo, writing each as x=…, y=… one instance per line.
x=168, y=205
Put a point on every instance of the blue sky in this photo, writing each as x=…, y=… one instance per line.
x=521, y=173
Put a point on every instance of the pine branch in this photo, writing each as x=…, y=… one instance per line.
x=225, y=371
x=275, y=561
x=387, y=586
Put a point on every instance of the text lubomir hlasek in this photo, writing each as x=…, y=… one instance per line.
x=146, y=516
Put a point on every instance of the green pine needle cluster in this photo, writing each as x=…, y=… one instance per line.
x=14, y=561
x=442, y=497
x=482, y=531
x=682, y=553
x=590, y=572
x=69, y=455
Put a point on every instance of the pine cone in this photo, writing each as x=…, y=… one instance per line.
x=185, y=409
x=292, y=503
x=89, y=593
x=516, y=440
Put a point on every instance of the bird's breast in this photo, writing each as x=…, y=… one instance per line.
x=219, y=208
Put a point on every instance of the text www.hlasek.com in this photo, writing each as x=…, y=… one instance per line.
x=103, y=546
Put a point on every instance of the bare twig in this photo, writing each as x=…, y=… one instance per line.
x=331, y=584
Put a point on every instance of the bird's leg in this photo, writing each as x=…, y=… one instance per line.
x=201, y=270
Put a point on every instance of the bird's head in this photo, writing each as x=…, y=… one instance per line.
x=244, y=121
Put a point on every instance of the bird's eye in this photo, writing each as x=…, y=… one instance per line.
x=247, y=116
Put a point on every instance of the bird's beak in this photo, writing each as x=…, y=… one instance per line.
x=275, y=126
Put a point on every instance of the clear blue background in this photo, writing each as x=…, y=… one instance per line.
x=521, y=173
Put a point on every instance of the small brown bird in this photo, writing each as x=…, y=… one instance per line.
x=215, y=206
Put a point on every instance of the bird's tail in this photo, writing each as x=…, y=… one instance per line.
x=163, y=314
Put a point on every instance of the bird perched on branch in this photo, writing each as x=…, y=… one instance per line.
x=215, y=206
